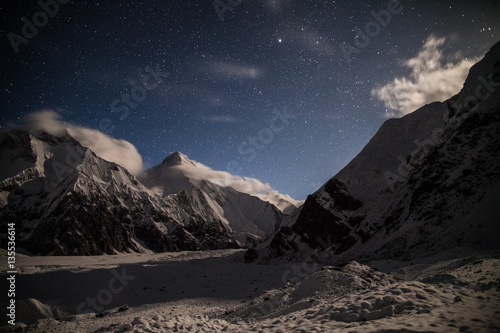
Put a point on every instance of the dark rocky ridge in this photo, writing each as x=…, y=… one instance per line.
x=91, y=206
x=441, y=192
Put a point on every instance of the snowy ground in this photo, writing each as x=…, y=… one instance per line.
x=456, y=291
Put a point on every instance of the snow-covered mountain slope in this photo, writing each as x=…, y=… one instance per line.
x=425, y=182
x=201, y=202
x=66, y=200
x=171, y=176
x=177, y=172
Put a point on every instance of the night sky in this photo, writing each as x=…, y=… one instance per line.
x=173, y=76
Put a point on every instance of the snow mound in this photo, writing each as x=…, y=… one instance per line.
x=338, y=281
x=429, y=306
x=329, y=282
x=443, y=278
x=30, y=310
x=451, y=292
x=179, y=323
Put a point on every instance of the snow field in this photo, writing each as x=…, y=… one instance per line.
x=446, y=295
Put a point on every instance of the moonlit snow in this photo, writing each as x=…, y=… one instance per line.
x=214, y=291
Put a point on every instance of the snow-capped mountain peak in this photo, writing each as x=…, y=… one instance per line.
x=177, y=158
x=189, y=185
x=178, y=172
x=171, y=176
x=55, y=187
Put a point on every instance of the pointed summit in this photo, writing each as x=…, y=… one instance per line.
x=172, y=175
x=177, y=158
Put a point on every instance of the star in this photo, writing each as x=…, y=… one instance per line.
x=225, y=73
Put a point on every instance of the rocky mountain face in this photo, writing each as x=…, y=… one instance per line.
x=65, y=200
x=202, y=203
x=425, y=182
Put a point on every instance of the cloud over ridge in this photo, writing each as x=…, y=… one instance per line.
x=114, y=150
x=198, y=172
x=125, y=154
x=431, y=79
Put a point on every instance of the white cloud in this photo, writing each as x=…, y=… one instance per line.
x=235, y=71
x=431, y=79
x=119, y=151
x=199, y=172
x=216, y=118
x=282, y=201
x=125, y=154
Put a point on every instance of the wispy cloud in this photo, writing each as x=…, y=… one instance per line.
x=198, y=172
x=310, y=40
x=125, y=154
x=228, y=70
x=431, y=79
x=119, y=151
x=282, y=201
x=217, y=118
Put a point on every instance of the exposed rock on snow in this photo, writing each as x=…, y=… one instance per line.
x=246, y=218
x=31, y=310
x=426, y=182
x=65, y=200
x=216, y=292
